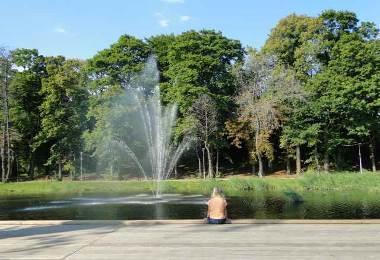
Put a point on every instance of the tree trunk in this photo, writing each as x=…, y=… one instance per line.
x=81, y=166
x=6, y=139
x=339, y=160
x=60, y=170
x=31, y=166
x=199, y=164
x=9, y=159
x=253, y=168
x=9, y=163
x=203, y=163
x=261, y=168
x=372, y=155
x=316, y=156
x=287, y=164
x=217, y=163
x=74, y=170
x=326, y=162
x=3, y=128
x=17, y=169
x=259, y=157
x=360, y=158
x=270, y=166
x=2, y=165
x=298, y=159
x=210, y=167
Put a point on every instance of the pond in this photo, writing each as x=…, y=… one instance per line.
x=287, y=205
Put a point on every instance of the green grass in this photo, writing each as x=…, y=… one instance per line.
x=310, y=182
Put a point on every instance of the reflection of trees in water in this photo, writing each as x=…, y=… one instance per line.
x=306, y=206
x=274, y=204
x=342, y=206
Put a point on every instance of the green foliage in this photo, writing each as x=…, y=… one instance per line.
x=341, y=182
x=315, y=84
x=200, y=63
x=108, y=73
x=24, y=101
x=160, y=46
x=296, y=42
x=64, y=101
x=118, y=63
x=268, y=91
x=337, y=60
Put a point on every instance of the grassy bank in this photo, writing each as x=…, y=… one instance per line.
x=310, y=182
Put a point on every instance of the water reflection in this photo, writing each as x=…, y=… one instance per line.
x=176, y=206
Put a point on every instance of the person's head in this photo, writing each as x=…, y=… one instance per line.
x=217, y=192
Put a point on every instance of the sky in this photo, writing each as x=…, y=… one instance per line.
x=80, y=28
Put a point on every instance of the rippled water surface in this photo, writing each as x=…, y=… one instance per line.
x=177, y=206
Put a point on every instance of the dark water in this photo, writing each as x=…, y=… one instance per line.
x=175, y=206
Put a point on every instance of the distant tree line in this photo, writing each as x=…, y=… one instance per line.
x=309, y=99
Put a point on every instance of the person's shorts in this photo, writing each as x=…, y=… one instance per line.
x=216, y=221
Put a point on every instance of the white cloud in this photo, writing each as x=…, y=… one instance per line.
x=185, y=18
x=164, y=22
x=60, y=30
x=173, y=1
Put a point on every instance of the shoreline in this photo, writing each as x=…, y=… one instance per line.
x=185, y=221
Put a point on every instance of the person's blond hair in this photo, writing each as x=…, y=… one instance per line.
x=217, y=192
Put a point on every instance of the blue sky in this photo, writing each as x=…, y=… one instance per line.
x=80, y=28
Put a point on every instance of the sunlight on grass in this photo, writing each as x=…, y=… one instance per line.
x=235, y=186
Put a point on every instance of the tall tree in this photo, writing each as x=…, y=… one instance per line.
x=312, y=47
x=200, y=63
x=296, y=41
x=108, y=73
x=117, y=64
x=25, y=99
x=63, y=111
x=348, y=91
x=5, y=79
x=160, y=46
x=265, y=91
x=204, y=112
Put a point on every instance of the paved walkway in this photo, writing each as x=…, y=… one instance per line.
x=181, y=240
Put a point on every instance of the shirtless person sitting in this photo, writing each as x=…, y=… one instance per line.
x=217, y=208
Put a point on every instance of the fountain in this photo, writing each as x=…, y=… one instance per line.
x=138, y=130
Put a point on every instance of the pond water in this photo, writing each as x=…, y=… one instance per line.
x=176, y=206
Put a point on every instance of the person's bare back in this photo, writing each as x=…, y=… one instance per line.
x=217, y=208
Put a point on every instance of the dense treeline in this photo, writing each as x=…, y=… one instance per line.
x=310, y=98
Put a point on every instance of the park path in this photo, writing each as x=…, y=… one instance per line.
x=147, y=240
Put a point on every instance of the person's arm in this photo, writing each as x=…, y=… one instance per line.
x=225, y=208
x=208, y=209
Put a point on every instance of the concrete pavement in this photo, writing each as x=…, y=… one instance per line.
x=189, y=240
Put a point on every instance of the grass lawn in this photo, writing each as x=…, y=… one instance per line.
x=234, y=186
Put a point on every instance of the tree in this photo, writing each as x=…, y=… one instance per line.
x=313, y=47
x=6, y=152
x=160, y=46
x=117, y=64
x=204, y=112
x=108, y=73
x=348, y=90
x=300, y=129
x=200, y=63
x=268, y=93
x=296, y=42
x=25, y=99
x=63, y=111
